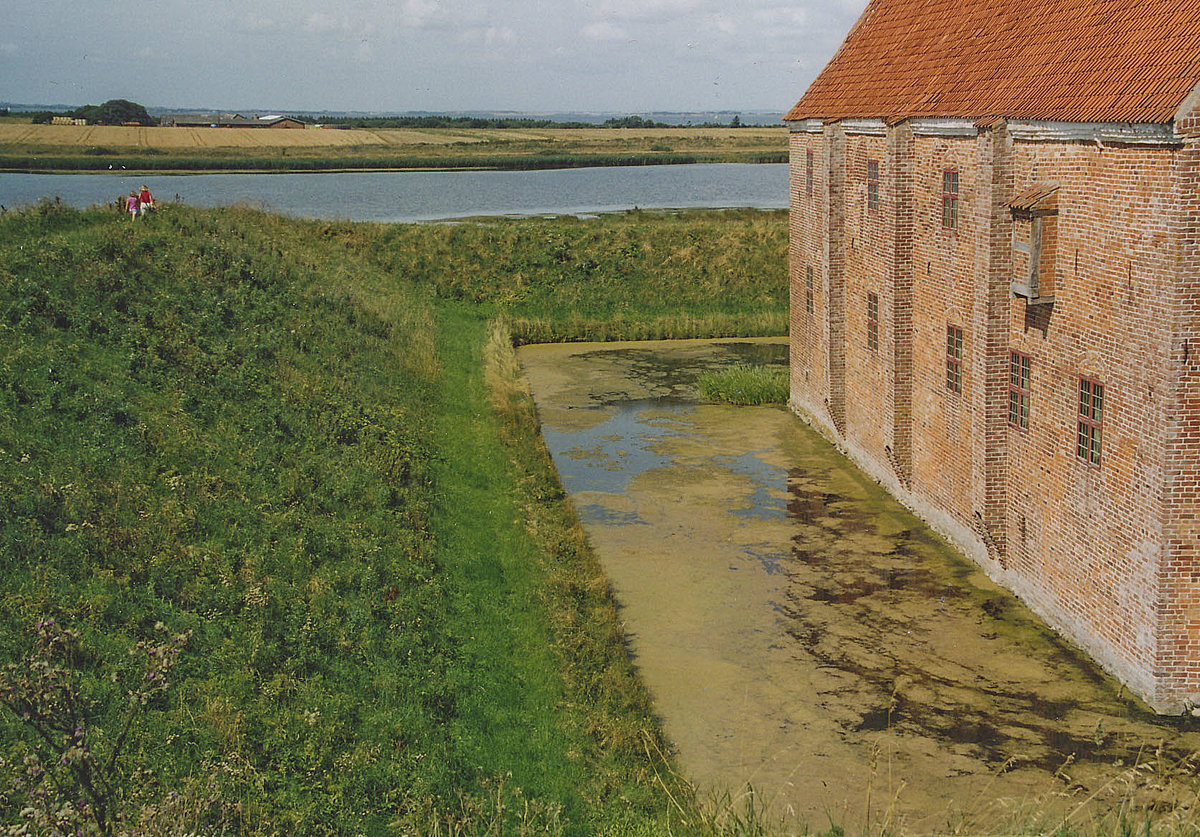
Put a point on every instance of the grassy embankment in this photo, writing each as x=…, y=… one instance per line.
x=302, y=442
x=26, y=147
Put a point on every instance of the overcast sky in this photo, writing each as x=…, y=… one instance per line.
x=438, y=55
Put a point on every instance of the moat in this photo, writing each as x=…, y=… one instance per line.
x=805, y=635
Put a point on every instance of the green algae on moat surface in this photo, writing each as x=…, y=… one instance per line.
x=805, y=634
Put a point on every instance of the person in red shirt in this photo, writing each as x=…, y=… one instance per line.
x=145, y=200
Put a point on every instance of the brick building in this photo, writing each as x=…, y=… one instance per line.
x=995, y=300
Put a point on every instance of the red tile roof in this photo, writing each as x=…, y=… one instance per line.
x=1071, y=60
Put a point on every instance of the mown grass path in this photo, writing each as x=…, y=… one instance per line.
x=508, y=708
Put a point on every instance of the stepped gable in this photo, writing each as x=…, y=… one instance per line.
x=1063, y=60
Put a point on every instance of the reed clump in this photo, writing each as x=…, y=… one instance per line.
x=745, y=385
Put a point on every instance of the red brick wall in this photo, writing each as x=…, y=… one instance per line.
x=869, y=247
x=1108, y=553
x=1179, y=577
x=947, y=426
x=1087, y=540
x=807, y=219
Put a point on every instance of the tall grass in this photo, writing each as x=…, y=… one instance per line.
x=745, y=385
x=201, y=429
x=628, y=276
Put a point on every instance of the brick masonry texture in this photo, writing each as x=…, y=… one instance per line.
x=1107, y=553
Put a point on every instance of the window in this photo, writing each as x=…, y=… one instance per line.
x=808, y=292
x=1035, y=242
x=873, y=322
x=872, y=184
x=954, y=358
x=808, y=173
x=1091, y=415
x=950, y=199
x=1018, y=390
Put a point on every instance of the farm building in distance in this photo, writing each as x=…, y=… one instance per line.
x=235, y=120
x=995, y=300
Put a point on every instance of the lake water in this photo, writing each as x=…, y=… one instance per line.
x=431, y=195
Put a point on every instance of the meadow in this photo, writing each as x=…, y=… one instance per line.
x=28, y=147
x=283, y=552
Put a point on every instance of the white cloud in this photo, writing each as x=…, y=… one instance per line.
x=340, y=29
x=650, y=11
x=495, y=36
x=419, y=13
x=720, y=24
x=565, y=54
x=254, y=22
x=604, y=31
x=492, y=38
x=319, y=23
x=786, y=17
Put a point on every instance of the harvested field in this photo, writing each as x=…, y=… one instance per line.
x=73, y=147
x=75, y=136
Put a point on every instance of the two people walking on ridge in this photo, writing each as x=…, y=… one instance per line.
x=139, y=203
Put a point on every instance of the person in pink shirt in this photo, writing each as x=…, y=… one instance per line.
x=133, y=205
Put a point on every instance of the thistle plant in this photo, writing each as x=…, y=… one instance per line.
x=71, y=779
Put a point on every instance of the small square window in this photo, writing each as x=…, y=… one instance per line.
x=808, y=173
x=954, y=358
x=872, y=184
x=950, y=199
x=1090, y=420
x=1018, y=390
x=808, y=291
x=873, y=322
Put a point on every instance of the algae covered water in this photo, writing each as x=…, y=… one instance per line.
x=804, y=635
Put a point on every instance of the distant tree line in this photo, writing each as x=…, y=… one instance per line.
x=435, y=121
x=112, y=112
x=122, y=112
x=492, y=122
x=634, y=122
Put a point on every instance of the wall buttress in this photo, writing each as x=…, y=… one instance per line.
x=995, y=150
x=835, y=139
x=900, y=168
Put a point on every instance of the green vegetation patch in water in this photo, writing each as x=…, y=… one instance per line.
x=746, y=385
